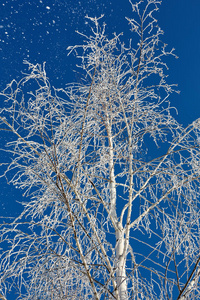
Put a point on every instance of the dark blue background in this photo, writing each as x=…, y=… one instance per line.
x=41, y=30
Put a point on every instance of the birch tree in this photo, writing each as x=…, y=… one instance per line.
x=110, y=179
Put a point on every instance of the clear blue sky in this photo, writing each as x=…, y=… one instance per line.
x=41, y=30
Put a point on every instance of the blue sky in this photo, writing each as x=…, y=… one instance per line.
x=41, y=30
x=181, y=24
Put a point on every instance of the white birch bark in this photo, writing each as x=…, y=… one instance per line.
x=120, y=241
x=121, y=263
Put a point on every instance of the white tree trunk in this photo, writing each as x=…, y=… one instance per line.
x=121, y=263
x=120, y=240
